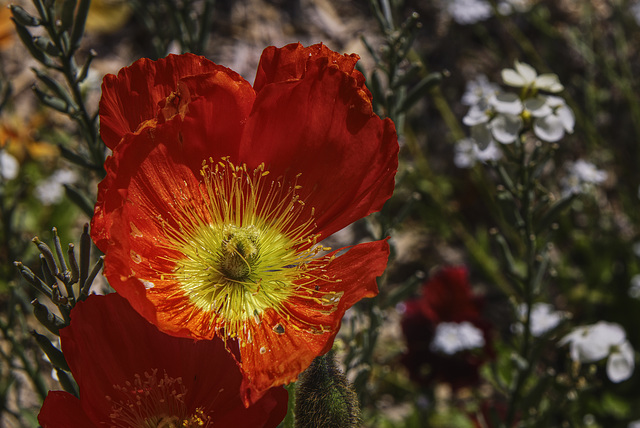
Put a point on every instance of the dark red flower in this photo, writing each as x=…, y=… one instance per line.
x=218, y=193
x=131, y=375
x=447, y=304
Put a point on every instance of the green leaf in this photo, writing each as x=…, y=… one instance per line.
x=54, y=354
x=78, y=24
x=27, y=41
x=46, y=46
x=51, y=101
x=20, y=15
x=420, y=90
x=79, y=199
x=52, y=322
x=66, y=16
x=56, y=88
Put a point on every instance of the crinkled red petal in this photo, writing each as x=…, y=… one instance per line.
x=133, y=96
x=322, y=127
x=290, y=63
x=213, y=130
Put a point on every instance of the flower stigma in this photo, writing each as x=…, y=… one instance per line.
x=249, y=249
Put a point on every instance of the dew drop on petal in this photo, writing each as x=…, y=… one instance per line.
x=263, y=350
x=279, y=328
x=332, y=298
x=135, y=256
x=148, y=285
x=135, y=232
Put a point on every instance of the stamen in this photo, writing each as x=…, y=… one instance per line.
x=243, y=243
x=150, y=402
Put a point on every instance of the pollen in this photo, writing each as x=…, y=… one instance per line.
x=249, y=249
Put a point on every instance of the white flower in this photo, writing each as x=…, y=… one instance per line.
x=635, y=11
x=505, y=128
x=490, y=153
x=581, y=177
x=588, y=172
x=542, y=320
x=595, y=342
x=506, y=7
x=452, y=337
x=481, y=134
x=634, y=288
x=621, y=363
x=467, y=152
x=477, y=119
x=51, y=190
x=464, y=156
x=592, y=343
x=506, y=103
x=552, y=118
x=9, y=166
x=477, y=114
x=525, y=76
x=479, y=89
x=469, y=11
x=634, y=424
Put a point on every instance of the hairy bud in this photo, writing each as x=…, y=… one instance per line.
x=324, y=397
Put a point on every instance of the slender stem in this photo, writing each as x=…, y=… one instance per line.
x=527, y=188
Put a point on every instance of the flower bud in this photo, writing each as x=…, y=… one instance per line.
x=324, y=396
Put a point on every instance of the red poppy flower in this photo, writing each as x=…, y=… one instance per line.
x=131, y=375
x=447, y=306
x=218, y=194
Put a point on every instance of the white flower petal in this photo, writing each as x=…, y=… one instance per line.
x=464, y=156
x=507, y=103
x=621, y=363
x=513, y=78
x=475, y=116
x=634, y=289
x=469, y=11
x=505, y=128
x=526, y=71
x=490, y=153
x=544, y=318
x=478, y=90
x=548, y=128
x=452, y=337
x=587, y=172
x=555, y=101
x=566, y=117
x=592, y=343
x=537, y=106
x=51, y=190
x=482, y=135
x=9, y=166
x=548, y=82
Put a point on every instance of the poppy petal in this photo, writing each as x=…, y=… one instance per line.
x=322, y=127
x=108, y=343
x=290, y=343
x=133, y=96
x=62, y=410
x=290, y=63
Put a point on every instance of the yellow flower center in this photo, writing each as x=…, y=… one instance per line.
x=250, y=250
x=150, y=402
